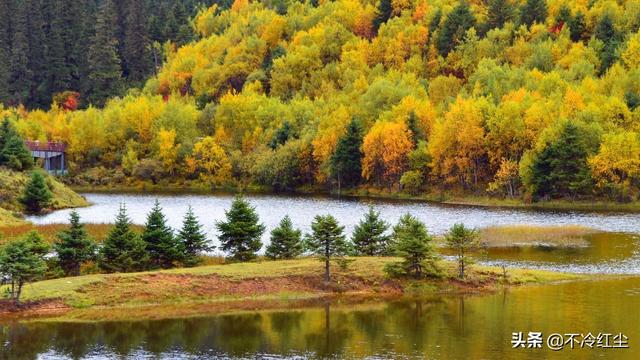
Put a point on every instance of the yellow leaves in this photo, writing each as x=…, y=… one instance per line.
x=239, y=5
x=456, y=143
x=210, y=161
x=573, y=103
x=324, y=143
x=618, y=159
x=205, y=21
x=273, y=31
x=631, y=55
x=167, y=149
x=386, y=148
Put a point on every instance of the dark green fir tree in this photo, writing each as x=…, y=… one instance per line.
x=163, y=248
x=240, y=235
x=74, y=246
x=123, y=250
x=286, y=241
x=193, y=240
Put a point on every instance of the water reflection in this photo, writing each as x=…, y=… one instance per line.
x=439, y=327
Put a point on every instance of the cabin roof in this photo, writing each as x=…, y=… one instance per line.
x=46, y=146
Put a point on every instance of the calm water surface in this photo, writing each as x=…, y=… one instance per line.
x=474, y=327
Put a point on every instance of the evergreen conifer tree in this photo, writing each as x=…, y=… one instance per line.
x=13, y=151
x=163, y=248
x=577, y=27
x=499, y=12
x=123, y=250
x=462, y=240
x=369, y=238
x=286, y=241
x=605, y=31
x=454, y=28
x=74, y=246
x=240, y=235
x=23, y=261
x=414, y=245
x=193, y=239
x=346, y=162
x=533, y=11
x=561, y=168
x=327, y=241
x=36, y=195
x=383, y=14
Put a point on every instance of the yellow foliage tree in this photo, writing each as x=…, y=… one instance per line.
x=386, y=148
x=457, y=142
x=210, y=161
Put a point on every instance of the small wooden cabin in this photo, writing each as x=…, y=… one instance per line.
x=50, y=155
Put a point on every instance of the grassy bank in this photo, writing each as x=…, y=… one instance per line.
x=242, y=285
x=12, y=184
x=10, y=220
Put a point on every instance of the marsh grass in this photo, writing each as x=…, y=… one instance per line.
x=530, y=235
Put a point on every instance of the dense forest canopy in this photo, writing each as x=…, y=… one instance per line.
x=516, y=98
x=96, y=48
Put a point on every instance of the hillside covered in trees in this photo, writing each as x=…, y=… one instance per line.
x=528, y=99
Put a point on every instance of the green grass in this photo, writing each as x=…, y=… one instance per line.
x=183, y=286
x=12, y=184
x=8, y=219
x=531, y=235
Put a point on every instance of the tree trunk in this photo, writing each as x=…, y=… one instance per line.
x=16, y=299
x=327, y=275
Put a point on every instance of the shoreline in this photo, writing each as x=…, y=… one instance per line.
x=216, y=289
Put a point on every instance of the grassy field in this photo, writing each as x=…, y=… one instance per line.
x=236, y=286
x=530, y=235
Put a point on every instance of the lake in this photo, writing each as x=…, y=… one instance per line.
x=442, y=327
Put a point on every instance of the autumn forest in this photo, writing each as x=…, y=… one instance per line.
x=529, y=99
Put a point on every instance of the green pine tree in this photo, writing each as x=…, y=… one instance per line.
x=164, y=249
x=383, y=14
x=462, y=240
x=240, y=235
x=286, y=241
x=369, y=236
x=105, y=73
x=13, y=151
x=605, y=31
x=346, y=161
x=327, y=241
x=193, y=239
x=414, y=245
x=123, y=250
x=454, y=28
x=23, y=261
x=578, y=27
x=533, y=11
x=74, y=246
x=561, y=168
x=36, y=195
x=499, y=12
